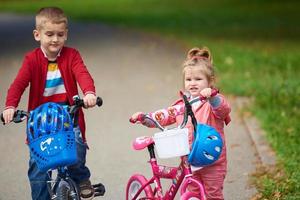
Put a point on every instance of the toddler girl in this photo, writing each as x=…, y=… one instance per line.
x=199, y=79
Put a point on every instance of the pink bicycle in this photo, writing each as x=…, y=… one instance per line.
x=140, y=188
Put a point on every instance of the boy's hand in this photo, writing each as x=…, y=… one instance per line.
x=8, y=115
x=206, y=92
x=89, y=100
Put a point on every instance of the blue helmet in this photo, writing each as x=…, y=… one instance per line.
x=48, y=118
x=207, y=146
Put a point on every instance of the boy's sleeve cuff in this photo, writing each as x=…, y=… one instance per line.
x=89, y=92
x=9, y=107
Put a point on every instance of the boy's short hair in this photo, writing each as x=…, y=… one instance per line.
x=53, y=14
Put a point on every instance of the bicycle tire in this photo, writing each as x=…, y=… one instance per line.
x=62, y=192
x=191, y=196
x=75, y=193
x=135, y=182
x=67, y=190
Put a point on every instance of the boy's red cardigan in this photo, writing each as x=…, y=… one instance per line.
x=34, y=72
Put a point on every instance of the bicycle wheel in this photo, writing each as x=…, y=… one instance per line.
x=67, y=190
x=136, y=182
x=190, y=196
x=74, y=192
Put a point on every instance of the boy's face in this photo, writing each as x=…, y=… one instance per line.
x=52, y=37
x=195, y=81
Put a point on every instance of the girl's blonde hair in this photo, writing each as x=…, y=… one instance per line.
x=53, y=14
x=202, y=59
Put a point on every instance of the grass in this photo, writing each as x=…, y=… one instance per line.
x=256, y=52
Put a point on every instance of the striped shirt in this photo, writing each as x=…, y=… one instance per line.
x=55, y=90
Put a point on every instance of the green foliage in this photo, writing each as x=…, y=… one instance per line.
x=272, y=183
x=256, y=52
x=280, y=117
x=254, y=20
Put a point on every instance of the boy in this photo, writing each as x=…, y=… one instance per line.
x=53, y=71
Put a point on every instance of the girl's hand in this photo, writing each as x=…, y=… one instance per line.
x=136, y=117
x=206, y=92
x=8, y=115
x=89, y=100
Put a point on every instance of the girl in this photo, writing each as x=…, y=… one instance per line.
x=199, y=79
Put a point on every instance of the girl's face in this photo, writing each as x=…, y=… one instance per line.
x=195, y=81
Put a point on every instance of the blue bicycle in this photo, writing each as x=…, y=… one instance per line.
x=51, y=140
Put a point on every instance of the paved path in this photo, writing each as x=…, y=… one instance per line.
x=132, y=72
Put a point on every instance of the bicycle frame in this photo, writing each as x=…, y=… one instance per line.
x=180, y=176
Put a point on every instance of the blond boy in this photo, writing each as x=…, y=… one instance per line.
x=53, y=71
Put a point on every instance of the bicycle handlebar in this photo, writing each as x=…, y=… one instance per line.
x=21, y=115
x=80, y=103
x=188, y=111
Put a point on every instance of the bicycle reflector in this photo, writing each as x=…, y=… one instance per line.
x=207, y=146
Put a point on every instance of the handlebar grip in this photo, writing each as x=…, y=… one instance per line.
x=140, y=118
x=132, y=121
x=214, y=92
x=99, y=101
x=2, y=119
x=79, y=102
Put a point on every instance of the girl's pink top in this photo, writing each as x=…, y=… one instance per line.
x=204, y=112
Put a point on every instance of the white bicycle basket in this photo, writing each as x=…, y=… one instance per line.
x=172, y=143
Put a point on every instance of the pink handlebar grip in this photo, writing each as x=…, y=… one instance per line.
x=214, y=92
x=140, y=118
x=132, y=120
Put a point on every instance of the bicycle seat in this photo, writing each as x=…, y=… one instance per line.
x=142, y=142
